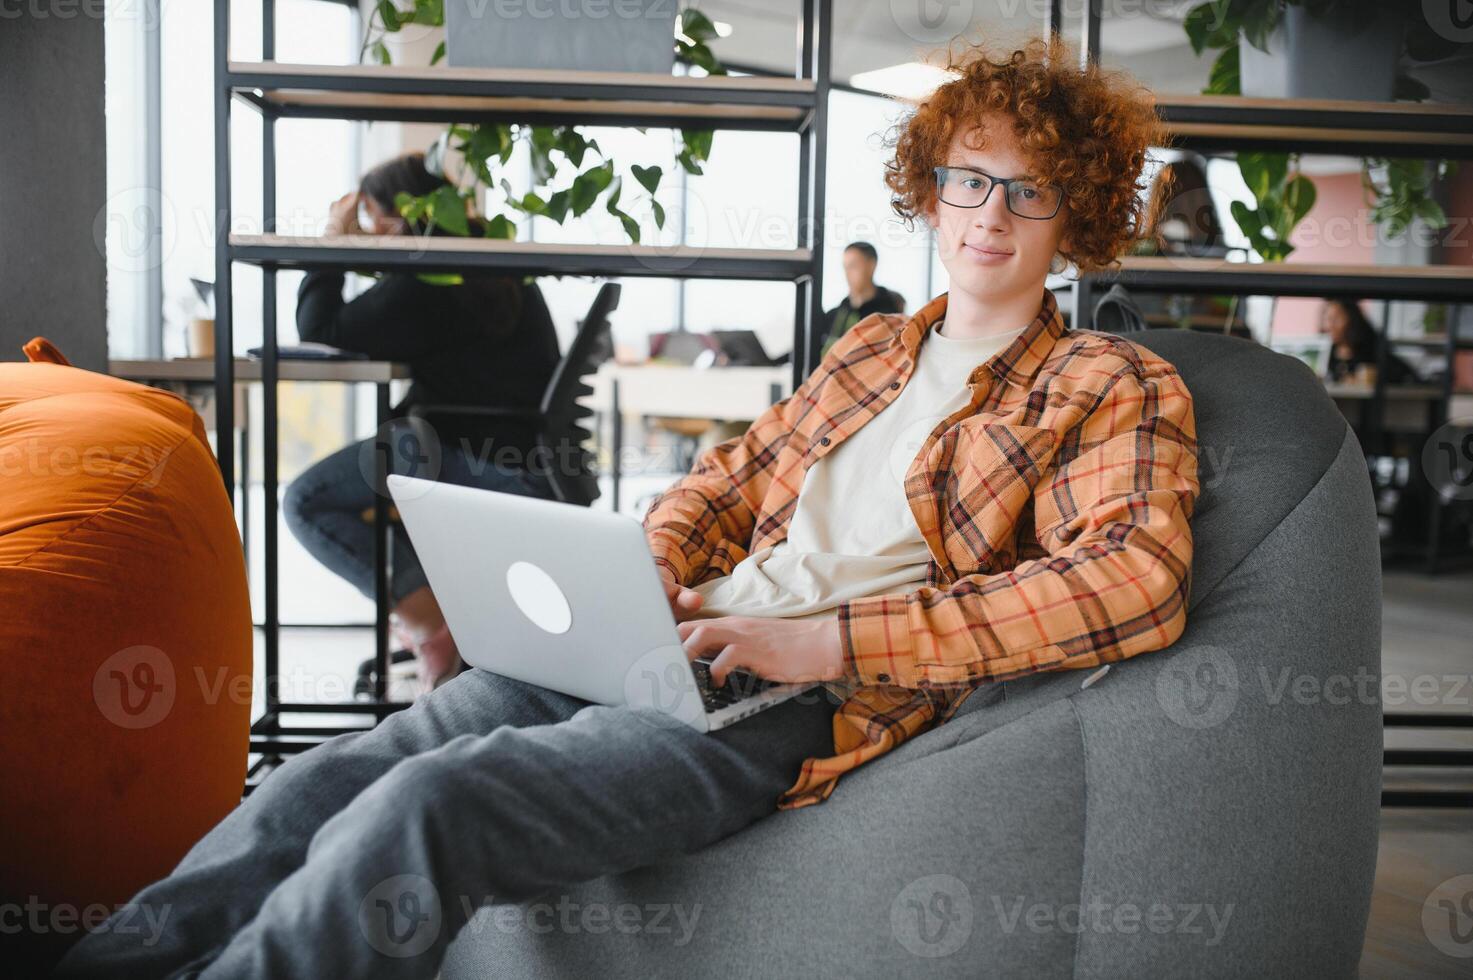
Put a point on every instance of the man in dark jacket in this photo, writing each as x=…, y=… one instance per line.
x=865, y=297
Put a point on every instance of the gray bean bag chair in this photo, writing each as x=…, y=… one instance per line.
x=1206, y=810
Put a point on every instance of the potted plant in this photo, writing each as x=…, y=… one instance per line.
x=484, y=148
x=1324, y=49
x=1305, y=49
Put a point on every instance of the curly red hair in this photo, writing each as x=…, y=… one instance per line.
x=1085, y=129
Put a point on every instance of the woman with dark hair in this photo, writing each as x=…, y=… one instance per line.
x=1355, y=342
x=485, y=341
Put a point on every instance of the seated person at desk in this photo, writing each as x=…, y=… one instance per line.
x=865, y=296
x=1022, y=505
x=488, y=341
x=1355, y=343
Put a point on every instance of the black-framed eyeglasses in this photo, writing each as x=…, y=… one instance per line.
x=963, y=187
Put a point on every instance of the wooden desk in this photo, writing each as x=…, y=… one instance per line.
x=202, y=369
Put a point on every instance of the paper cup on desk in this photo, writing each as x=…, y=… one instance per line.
x=201, y=337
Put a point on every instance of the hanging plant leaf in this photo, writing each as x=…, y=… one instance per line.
x=439, y=54
x=696, y=25
x=557, y=206
x=389, y=14
x=447, y=210
x=648, y=177
x=501, y=227
x=410, y=208
x=1225, y=77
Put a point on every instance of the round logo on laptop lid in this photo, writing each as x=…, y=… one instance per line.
x=538, y=597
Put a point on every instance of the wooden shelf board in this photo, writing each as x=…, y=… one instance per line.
x=389, y=91
x=1257, y=104
x=1290, y=270
x=528, y=76
x=354, y=103
x=569, y=258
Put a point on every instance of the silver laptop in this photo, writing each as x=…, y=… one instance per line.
x=567, y=598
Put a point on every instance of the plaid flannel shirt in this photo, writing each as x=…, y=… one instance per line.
x=1056, y=508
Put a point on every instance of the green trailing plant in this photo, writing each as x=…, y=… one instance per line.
x=1400, y=195
x=485, y=148
x=1400, y=191
x=1282, y=197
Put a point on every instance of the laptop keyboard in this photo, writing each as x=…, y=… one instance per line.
x=740, y=684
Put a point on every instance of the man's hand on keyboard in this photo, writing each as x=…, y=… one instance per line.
x=781, y=650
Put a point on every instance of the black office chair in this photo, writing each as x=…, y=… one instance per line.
x=1117, y=312
x=560, y=434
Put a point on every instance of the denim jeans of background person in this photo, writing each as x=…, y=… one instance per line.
x=326, y=506
x=365, y=856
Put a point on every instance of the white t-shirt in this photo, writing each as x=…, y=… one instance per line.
x=853, y=534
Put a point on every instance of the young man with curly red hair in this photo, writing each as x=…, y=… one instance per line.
x=966, y=495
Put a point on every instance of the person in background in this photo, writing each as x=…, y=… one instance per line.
x=484, y=341
x=1184, y=223
x=865, y=296
x=1354, y=342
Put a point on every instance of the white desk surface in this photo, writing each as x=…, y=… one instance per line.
x=249, y=370
x=674, y=390
x=680, y=391
x=1351, y=391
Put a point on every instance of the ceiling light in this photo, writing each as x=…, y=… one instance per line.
x=912, y=80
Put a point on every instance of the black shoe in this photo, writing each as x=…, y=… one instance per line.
x=363, y=686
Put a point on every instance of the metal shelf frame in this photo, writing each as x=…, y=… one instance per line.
x=1224, y=124
x=796, y=104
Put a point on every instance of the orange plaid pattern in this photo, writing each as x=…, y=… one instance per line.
x=1056, y=507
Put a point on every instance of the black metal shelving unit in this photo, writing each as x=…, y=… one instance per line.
x=796, y=104
x=1229, y=124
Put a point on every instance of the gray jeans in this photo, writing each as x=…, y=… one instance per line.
x=365, y=856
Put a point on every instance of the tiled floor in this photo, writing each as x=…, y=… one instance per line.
x=1428, y=630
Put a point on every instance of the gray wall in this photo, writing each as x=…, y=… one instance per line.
x=53, y=180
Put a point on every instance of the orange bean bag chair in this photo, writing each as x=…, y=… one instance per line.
x=125, y=643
